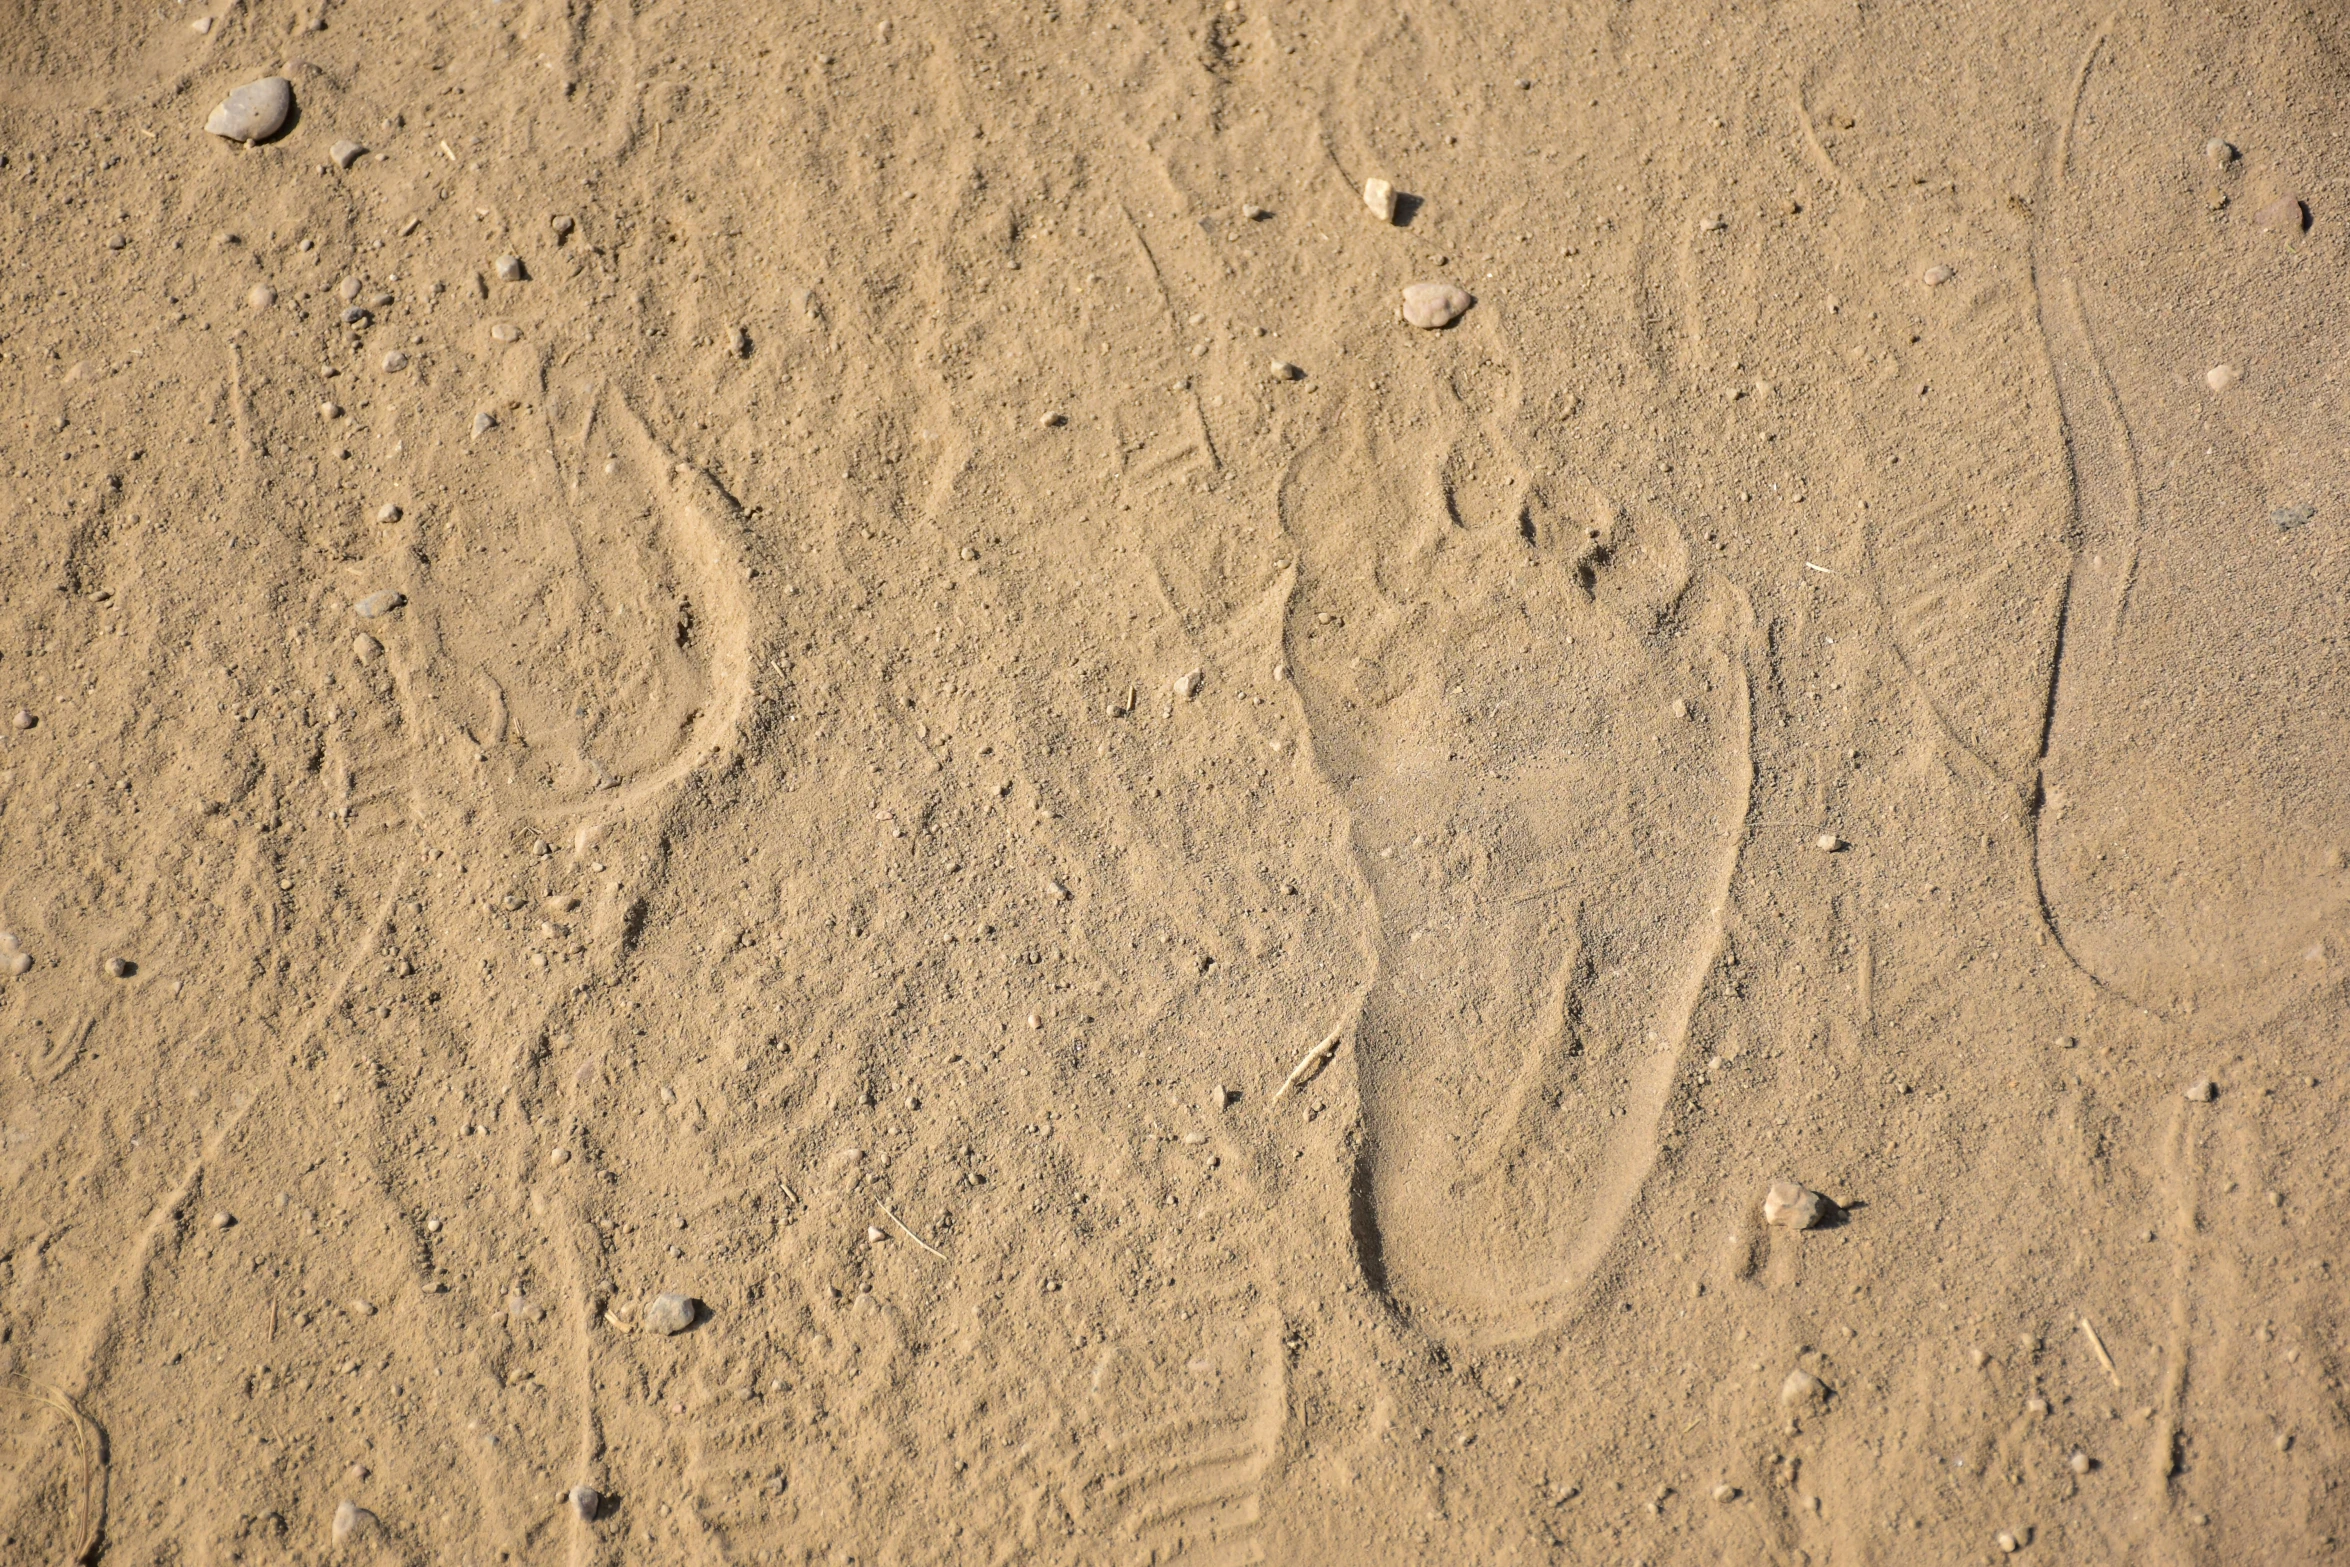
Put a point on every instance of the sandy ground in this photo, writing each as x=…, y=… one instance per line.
x=827, y=742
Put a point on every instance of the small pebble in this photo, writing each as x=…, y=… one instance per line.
x=255, y=111
x=1801, y=1387
x=260, y=297
x=1789, y=1206
x=1725, y=1493
x=388, y=512
x=330, y=410
x=670, y=1313
x=1187, y=684
x=505, y=333
x=221, y=1221
x=348, y=288
x=1937, y=275
x=586, y=1502
x=2285, y=215
x=350, y=1519
x=2217, y=152
x=2005, y=1541
x=346, y=153
x=1283, y=370
x=561, y=224
x=394, y=362
x=1254, y=213
x=16, y=964
x=560, y=1156
x=1379, y=196
x=483, y=424
x=2286, y=518
x=1828, y=843
x=365, y=647
x=875, y=1234
x=357, y=315
x=359, y=1471
x=508, y=268
x=2078, y=1463
x=2220, y=377
x=200, y=26
x=2202, y=1091
x=24, y=719
x=119, y=968
x=361, y=1308
x=1432, y=305
x=1712, y=225
x=1053, y=419
x=379, y=603
x=1680, y=707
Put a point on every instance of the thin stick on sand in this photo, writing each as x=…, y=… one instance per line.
x=1309, y=1067
x=2103, y=1358
x=910, y=1235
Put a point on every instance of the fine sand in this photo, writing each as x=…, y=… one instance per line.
x=846, y=662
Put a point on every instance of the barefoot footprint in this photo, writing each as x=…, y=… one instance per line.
x=1548, y=796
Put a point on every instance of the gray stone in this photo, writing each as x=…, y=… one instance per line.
x=586, y=1501
x=255, y=111
x=379, y=603
x=346, y=153
x=1432, y=305
x=671, y=1313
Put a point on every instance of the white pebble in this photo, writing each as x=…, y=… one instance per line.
x=508, y=268
x=1379, y=196
x=1283, y=370
x=255, y=111
x=874, y=1234
x=24, y=718
x=350, y=1519
x=260, y=297
x=2216, y=151
x=2005, y=1541
x=483, y=424
x=1828, y=843
x=671, y=1313
x=118, y=968
x=1254, y=213
x=1187, y=684
x=388, y=512
x=363, y=648
x=1052, y=419
x=2220, y=377
x=505, y=333
x=1725, y=1493
x=346, y=153
x=394, y=362
x=586, y=1502
x=1792, y=1207
x=379, y=603
x=1432, y=305
x=2202, y=1091
x=16, y=964
x=1801, y=1387
x=200, y=26
x=1937, y=275
x=361, y=1308
x=2079, y=1462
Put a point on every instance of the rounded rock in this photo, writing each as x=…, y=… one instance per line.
x=120, y=968
x=2202, y=1091
x=394, y=362
x=388, y=512
x=24, y=719
x=2218, y=152
x=1283, y=370
x=1431, y=305
x=1789, y=1206
x=2220, y=377
x=671, y=1313
x=2078, y=1463
x=1828, y=843
x=255, y=111
x=586, y=1502
x=260, y=297
x=1937, y=275
x=1801, y=1387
